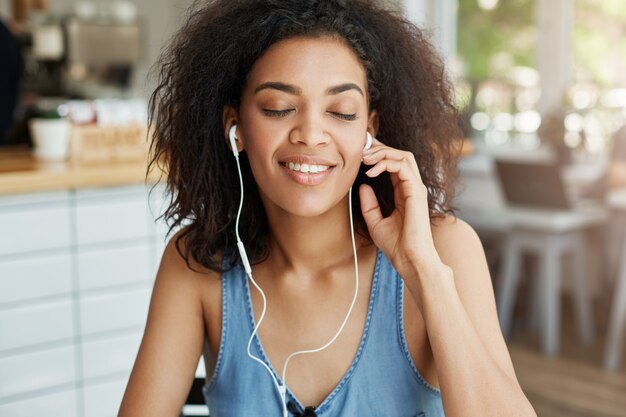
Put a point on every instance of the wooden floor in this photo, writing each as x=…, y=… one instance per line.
x=573, y=384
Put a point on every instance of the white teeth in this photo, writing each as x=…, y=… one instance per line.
x=306, y=168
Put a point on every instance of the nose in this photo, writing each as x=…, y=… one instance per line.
x=309, y=130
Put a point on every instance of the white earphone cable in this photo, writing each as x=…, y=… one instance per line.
x=282, y=388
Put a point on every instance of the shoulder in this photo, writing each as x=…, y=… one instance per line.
x=177, y=261
x=451, y=234
x=181, y=272
x=460, y=248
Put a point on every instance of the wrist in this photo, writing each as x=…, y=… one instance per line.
x=425, y=281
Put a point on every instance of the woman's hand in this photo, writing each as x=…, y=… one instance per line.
x=405, y=236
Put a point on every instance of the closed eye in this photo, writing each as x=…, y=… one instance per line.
x=344, y=116
x=277, y=113
x=282, y=113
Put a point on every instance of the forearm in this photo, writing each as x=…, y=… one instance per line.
x=472, y=383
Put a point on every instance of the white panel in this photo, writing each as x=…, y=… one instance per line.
x=31, y=228
x=59, y=404
x=34, y=277
x=127, y=264
x=38, y=324
x=115, y=218
x=33, y=371
x=106, y=312
x=33, y=198
x=104, y=399
x=108, y=193
x=104, y=357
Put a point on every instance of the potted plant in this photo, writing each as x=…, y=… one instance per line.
x=50, y=132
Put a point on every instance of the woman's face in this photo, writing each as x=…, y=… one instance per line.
x=303, y=120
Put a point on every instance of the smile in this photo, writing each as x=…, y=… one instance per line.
x=306, y=174
x=306, y=168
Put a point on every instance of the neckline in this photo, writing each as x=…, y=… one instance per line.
x=257, y=341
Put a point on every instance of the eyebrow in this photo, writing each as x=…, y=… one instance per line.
x=290, y=89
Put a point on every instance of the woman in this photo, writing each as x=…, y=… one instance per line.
x=295, y=87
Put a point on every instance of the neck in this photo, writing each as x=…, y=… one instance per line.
x=309, y=245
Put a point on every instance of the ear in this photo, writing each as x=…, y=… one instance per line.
x=373, y=123
x=230, y=117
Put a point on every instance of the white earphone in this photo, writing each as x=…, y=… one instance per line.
x=233, y=140
x=282, y=389
x=368, y=142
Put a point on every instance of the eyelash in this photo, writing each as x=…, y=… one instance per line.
x=282, y=113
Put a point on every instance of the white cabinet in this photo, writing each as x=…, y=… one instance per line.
x=35, y=277
x=103, y=399
x=111, y=355
x=122, y=264
x=64, y=403
x=29, y=225
x=111, y=311
x=76, y=275
x=36, y=324
x=37, y=370
x=110, y=218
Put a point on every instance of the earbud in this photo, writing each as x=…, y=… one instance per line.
x=233, y=140
x=369, y=140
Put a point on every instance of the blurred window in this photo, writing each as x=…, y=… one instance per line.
x=596, y=101
x=497, y=80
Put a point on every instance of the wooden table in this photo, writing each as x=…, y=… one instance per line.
x=21, y=173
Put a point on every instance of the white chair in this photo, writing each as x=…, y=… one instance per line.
x=617, y=322
x=549, y=234
x=617, y=319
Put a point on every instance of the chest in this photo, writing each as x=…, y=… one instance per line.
x=310, y=321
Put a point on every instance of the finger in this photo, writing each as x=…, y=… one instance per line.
x=402, y=168
x=384, y=152
x=369, y=207
x=392, y=154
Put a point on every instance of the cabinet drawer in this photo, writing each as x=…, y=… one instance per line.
x=104, y=399
x=114, y=266
x=32, y=228
x=112, y=219
x=35, y=371
x=35, y=277
x=115, y=310
x=104, y=357
x=46, y=322
x=57, y=404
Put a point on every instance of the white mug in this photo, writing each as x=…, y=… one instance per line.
x=51, y=138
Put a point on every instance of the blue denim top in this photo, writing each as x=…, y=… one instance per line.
x=382, y=380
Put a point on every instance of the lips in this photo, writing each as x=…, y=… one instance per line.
x=316, y=169
x=306, y=159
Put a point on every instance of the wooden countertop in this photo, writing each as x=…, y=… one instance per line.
x=20, y=173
